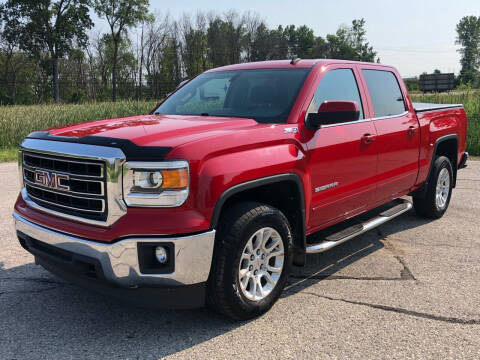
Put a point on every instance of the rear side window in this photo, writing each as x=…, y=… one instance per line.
x=385, y=93
x=338, y=84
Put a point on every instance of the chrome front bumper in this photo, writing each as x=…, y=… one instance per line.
x=120, y=261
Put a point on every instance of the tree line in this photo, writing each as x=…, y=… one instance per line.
x=51, y=51
x=468, y=37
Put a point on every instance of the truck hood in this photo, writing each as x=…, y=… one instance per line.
x=157, y=130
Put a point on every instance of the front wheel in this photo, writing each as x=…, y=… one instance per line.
x=251, y=260
x=439, y=190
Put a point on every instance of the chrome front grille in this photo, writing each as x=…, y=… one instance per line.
x=68, y=166
x=79, y=191
x=88, y=188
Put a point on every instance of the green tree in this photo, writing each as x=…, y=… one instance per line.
x=349, y=43
x=320, y=48
x=468, y=37
x=47, y=26
x=194, y=45
x=225, y=38
x=363, y=50
x=300, y=41
x=113, y=65
x=261, y=45
x=278, y=44
x=121, y=15
x=253, y=24
x=168, y=76
x=193, y=53
x=217, y=43
x=126, y=64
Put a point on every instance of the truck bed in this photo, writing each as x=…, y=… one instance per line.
x=423, y=107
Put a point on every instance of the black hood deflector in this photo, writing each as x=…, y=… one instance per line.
x=132, y=151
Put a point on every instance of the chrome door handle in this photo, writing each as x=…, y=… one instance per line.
x=368, y=138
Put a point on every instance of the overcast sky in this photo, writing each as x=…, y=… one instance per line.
x=415, y=36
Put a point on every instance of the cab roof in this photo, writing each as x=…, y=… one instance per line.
x=287, y=64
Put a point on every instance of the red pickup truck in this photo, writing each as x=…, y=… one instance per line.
x=214, y=194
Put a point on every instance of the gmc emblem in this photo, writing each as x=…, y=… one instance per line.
x=51, y=180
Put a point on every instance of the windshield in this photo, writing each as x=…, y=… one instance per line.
x=265, y=95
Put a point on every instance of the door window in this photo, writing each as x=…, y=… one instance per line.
x=336, y=85
x=385, y=93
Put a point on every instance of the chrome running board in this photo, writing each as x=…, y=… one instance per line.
x=355, y=230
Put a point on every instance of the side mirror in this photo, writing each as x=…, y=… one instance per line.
x=333, y=112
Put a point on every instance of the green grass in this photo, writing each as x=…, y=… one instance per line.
x=18, y=121
x=8, y=154
x=471, y=102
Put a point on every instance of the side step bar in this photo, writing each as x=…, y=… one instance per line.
x=355, y=230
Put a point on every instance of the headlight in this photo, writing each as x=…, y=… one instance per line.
x=155, y=184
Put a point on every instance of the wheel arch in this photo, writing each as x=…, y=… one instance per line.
x=446, y=145
x=263, y=190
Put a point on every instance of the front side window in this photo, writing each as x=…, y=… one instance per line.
x=385, y=93
x=265, y=95
x=336, y=85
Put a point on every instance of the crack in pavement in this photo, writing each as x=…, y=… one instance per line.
x=405, y=273
x=447, y=319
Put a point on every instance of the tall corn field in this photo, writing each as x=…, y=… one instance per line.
x=18, y=121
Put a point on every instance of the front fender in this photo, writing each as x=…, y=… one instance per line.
x=220, y=173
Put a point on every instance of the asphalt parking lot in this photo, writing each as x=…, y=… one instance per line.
x=408, y=289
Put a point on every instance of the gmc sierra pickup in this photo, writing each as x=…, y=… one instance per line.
x=212, y=196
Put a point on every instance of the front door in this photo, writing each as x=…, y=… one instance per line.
x=342, y=157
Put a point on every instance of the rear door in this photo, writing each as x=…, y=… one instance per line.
x=397, y=133
x=342, y=164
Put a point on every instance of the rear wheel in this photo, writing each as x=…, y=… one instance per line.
x=439, y=190
x=251, y=260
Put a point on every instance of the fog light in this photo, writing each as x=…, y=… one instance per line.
x=161, y=254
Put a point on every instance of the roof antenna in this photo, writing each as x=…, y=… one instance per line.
x=295, y=59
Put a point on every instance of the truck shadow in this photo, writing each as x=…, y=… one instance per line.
x=41, y=311
x=327, y=265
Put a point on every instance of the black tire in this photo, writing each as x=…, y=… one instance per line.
x=427, y=206
x=236, y=226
